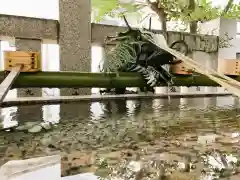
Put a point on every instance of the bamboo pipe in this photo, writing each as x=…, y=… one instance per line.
x=99, y=80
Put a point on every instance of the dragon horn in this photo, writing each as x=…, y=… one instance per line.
x=150, y=23
x=125, y=20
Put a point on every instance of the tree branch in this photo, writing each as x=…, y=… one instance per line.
x=193, y=24
x=160, y=12
x=228, y=6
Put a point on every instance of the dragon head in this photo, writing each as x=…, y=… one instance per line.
x=130, y=34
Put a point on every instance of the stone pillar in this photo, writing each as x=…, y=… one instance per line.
x=75, y=39
x=29, y=113
x=228, y=26
x=75, y=49
x=207, y=60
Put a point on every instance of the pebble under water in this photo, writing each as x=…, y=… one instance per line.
x=184, y=139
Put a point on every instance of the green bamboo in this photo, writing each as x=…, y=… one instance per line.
x=101, y=80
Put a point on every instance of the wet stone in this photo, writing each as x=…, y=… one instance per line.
x=26, y=126
x=35, y=129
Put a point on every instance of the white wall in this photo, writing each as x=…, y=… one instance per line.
x=211, y=27
x=220, y=27
x=228, y=26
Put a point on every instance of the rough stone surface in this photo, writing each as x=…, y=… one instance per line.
x=28, y=27
x=36, y=28
x=75, y=39
x=28, y=45
x=204, y=43
x=33, y=111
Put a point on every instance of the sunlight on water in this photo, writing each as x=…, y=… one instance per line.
x=96, y=110
x=226, y=101
x=131, y=106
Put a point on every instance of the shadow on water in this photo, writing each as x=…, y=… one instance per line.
x=140, y=139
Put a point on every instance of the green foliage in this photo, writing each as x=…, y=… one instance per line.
x=103, y=7
x=120, y=55
x=174, y=9
x=113, y=8
x=128, y=45
x=203, y=11
x=233, y=12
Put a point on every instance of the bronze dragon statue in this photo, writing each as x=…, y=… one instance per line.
x=133, y=52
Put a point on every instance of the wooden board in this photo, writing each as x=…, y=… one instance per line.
x=31, y=60
x=229, y=67
x=181, y=68
x=8, y=81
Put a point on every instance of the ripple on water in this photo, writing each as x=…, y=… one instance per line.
x=143, y=138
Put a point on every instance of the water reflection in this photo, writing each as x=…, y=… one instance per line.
x=167, y=108
x=97, y=110
x=51, y=113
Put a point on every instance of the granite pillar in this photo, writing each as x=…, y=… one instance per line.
x=75, y=50
x=29, y=113
x=75, y=39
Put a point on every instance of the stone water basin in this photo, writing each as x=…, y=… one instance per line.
x=194, y=138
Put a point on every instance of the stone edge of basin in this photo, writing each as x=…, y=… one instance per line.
x=96, y=97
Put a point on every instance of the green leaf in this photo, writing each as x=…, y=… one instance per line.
x=174, y=9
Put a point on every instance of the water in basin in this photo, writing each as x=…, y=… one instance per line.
x=176, y=139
